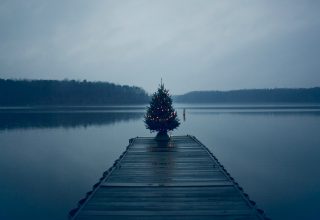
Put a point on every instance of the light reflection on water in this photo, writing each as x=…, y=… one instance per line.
x=51, y=156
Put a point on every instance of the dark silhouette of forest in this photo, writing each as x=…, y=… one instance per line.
x=68, y=92
x=302, y=95
x=85, y=93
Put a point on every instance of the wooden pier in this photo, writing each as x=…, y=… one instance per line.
x=177, y=179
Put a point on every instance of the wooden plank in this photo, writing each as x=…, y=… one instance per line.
x=167, y=217
x=179, y=179
x=172, y=213
x=157, y=206
x=191, y=190
x=203, y=183
x=186, y=198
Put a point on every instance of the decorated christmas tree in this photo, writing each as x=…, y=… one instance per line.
x=161, y=116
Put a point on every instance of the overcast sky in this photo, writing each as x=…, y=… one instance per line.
x=192, y=45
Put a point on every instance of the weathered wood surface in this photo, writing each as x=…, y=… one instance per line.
x=179, y=179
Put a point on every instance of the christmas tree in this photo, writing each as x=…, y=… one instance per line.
x=161, y=116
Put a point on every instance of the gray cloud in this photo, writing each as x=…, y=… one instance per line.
x=192, y=45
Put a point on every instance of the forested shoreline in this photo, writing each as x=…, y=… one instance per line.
x=68, y=92
x=290, y=95
x=84, y=93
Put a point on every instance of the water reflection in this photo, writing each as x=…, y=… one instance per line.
x=25, y=120
x=281, y=113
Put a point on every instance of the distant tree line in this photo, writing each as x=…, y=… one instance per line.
x=68, y=92
x=302, y=95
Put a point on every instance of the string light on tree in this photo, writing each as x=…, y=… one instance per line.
x=160, y=116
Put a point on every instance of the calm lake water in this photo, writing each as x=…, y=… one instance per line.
x=50, y=157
